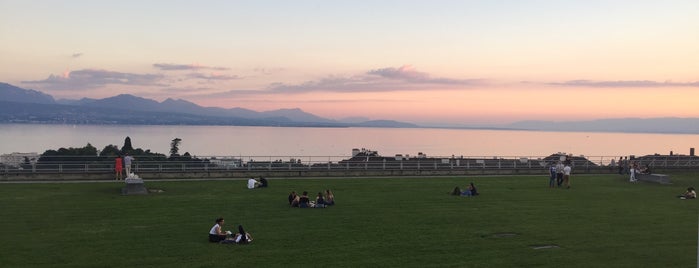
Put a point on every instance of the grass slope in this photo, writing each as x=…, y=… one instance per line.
x=602, y=221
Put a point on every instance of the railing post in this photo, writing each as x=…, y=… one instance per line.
x=418, y=164
x=87, y=168
x=184, y=168
x=384, y=164
x=60, y=168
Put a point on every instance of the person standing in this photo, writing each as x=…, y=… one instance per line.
x=118, y=167
x=127, y=163
x=566, y=176
x=621, y=166
x=559, y=173
x=552, y=176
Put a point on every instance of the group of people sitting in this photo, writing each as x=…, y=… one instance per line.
x=217, y=235
x=253, y=183
x=469, y=191
x=303, y=201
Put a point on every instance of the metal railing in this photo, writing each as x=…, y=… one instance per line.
x=297, y=163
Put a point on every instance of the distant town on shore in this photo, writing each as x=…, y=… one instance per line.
x=27, y=106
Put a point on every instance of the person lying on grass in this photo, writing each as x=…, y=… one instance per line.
x=242, y=237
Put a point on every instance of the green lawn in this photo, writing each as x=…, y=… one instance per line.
x=603, y=221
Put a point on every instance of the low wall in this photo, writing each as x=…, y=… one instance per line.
x=299, y=173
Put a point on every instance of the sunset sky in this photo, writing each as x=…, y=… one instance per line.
x=446, y=62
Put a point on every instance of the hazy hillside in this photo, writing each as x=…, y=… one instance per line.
x=656, y=125
x=30, y=106
x=12, y=93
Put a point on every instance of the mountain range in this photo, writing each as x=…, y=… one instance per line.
x=19, y=105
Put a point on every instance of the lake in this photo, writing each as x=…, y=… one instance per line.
x=299, y=141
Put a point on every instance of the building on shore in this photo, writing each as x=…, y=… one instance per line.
x=15, y=159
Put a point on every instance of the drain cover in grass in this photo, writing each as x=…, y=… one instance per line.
x=544, y=246
x=497, y=235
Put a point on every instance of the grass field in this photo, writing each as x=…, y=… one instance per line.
x=603, y=221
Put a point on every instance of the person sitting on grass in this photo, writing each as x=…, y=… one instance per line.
x=263, y=183
x=216, y=235
x=292, y=197
x=329, y=198
x=242, y=237
x=252, y=183
x=689, y=194
x=304, y=202
x=320, y=202
x=456, y=191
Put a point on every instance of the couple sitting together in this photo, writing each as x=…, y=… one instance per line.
x=470, y=191
x=216, y=235
x=303, y=201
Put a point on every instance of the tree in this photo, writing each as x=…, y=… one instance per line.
x=174, y=147
x=110, y=150
x=127, y=148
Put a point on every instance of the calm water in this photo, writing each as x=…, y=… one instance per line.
x=277, y=141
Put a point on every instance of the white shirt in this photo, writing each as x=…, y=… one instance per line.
x=566, y=170
x=213, y=229
x=127, y=160
x=251, y=183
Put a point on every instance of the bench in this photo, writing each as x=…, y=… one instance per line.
x=133, y=187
